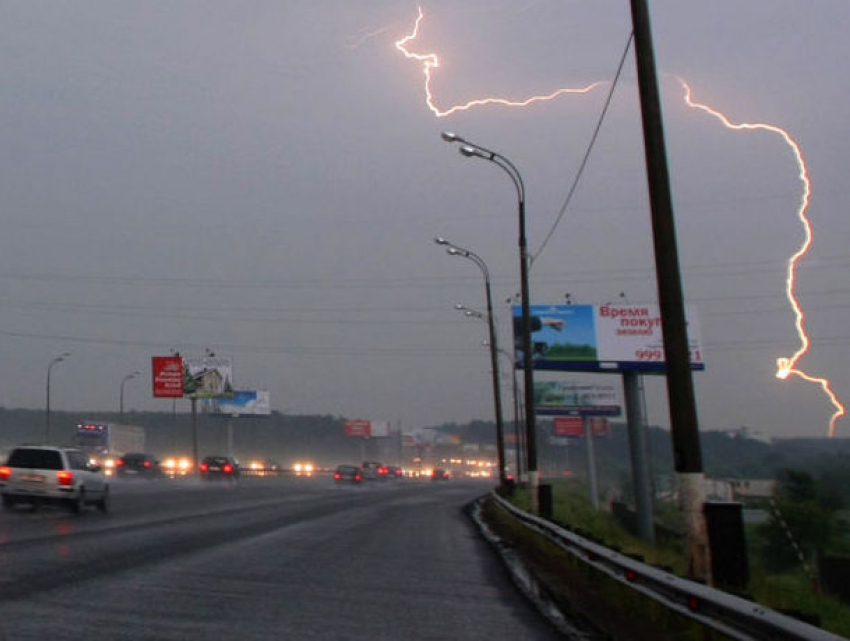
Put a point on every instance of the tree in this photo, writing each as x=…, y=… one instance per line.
x=802, y=522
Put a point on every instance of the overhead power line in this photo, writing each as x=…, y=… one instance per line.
x=588, y=150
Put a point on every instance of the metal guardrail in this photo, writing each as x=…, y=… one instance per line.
x=723, y=612
x=275, y=472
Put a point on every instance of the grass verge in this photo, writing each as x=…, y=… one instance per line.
x=582, y=592
x=790, y=592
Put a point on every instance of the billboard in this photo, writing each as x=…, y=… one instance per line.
x=191, y=376
x=366, y=429
x=558, y=398
x=574, y=426
x=207, y=376
x=167, y=372
x=568, y=426
x=599, y=338
x=242, y=403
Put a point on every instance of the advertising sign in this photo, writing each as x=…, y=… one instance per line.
x=242, y=403
x=599, y=338
x=574, y=426
x=367, y=428
x=569, y=425
x=207, y=376
x=167, y=376
x=599, y=426
x=558, y=398
x=358, y=428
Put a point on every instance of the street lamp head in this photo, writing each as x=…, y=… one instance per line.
x=448, y=136
x=469, y=151
x=441, y=241
x=459, y=307
x=453, y=251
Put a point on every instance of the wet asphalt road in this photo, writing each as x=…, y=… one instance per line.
x=262, y=559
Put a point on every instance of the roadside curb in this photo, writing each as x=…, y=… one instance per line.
x=525, y=580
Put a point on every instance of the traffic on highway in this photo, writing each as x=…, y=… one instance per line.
x=263, y=557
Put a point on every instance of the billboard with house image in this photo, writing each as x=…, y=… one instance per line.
x=207, y=376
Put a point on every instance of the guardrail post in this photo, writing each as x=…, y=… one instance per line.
x=544, y=492
x=729, y=564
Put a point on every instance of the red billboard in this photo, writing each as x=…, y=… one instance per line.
x=167, y=376
x=599, y=426
x=574, y=425
x=358, y=428
x=569, y=426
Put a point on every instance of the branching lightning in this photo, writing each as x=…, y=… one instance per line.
x=786, y=366
x=430, y=61
x=360, y=39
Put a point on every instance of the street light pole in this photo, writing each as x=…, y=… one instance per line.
x=471, y=150
x=517, y=434
x=58, y=359
x=121, y=395
x=454, y=250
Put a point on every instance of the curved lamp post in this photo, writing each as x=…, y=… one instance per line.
x=470, y=313
x=121, y=394
x=58, y=359
x=454, y=250
x=517, y=428
x=472, y=150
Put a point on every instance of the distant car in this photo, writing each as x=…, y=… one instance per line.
x=263, y=467
x=37, y=475
x=440, y=475
x=394, y=472
x=348, y=474
x=219, y=467
x=372, y=470
x=138, y=465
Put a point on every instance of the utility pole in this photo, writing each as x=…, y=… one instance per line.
x=680, y=391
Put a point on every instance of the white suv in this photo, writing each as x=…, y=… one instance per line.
x=35, y=474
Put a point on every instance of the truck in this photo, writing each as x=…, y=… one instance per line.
x=105, y=442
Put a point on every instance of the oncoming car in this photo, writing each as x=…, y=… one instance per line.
x=36, y=475
x=177, y=467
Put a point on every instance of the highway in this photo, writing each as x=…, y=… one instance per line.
x=264, y=558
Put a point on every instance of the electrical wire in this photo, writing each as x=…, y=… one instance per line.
x=589, y=149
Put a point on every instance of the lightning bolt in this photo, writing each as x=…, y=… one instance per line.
x=431, y=61
x=356, y=41
x=786, y=366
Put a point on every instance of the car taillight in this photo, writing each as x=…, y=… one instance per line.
x=204, y=467
x=358, y=478
x=337, y=475
x=65, y=477
x=228, y=468
x=5, y=473
x=382, y=471
x=147, y=463
x=119, y=462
